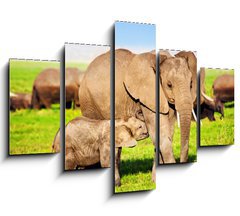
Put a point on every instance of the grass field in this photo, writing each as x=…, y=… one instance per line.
x=219, y=132
x=136, y=167
x=31, y=131
x=80, y=66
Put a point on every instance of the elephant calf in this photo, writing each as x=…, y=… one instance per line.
x=87, y=141
x=20, y=101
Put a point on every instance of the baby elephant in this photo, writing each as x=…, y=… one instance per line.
x=20, y=101
x=87, y=141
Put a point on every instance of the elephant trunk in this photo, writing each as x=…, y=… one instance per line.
x=184, y=106
x=185, y=123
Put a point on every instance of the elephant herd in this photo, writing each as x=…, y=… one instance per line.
x=135, y=96
x=46, y=90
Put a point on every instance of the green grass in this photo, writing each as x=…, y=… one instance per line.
x=219, y=132
x=79, y=65
x=136, y=167
x=71, y=114
x=31, y=131
x=23, y=74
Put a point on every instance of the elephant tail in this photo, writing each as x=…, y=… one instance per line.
x=56, y=143
x=35, y=103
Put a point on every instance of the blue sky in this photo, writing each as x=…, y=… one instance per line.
x=136, y=37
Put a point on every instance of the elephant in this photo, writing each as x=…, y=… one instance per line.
x=223, y=88
x=208, y=105
x=73, y=78
x=88, y=140
x=135, y=78
x=178, y=81
x=46, y=88
x=20, y=101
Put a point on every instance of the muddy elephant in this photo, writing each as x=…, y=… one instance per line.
x=46, y=88
x=223, y=88
x=20, y=101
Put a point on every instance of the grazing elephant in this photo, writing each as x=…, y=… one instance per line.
x=73, y=78
x=46, y=88
x=207, y=109
x=223, y=88
x=178, y=78
x=208, y=105
x=20, y=101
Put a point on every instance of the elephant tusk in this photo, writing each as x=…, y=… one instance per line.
x=178, y=119
x=195, y=117
x=12, y=94
x=207, y=97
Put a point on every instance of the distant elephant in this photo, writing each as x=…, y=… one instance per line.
x=223, y=88
x=73, y=78
x=20, y=101
x=208, y=105
x=46, y=88
x=207, y=110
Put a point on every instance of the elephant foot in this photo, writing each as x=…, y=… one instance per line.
x=117, y=182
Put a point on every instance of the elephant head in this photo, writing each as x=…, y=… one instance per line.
x=141, y=82
x=178, y=78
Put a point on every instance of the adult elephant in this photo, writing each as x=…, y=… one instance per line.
x=46, y=88
x=135, y=84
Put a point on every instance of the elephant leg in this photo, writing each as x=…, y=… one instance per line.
x=68, y=104
x=166, y=133
x=117, y=166
x=105, y=155
x=70, y=163
x=150, y=121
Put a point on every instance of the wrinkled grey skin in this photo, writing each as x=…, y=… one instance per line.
x=87, y=141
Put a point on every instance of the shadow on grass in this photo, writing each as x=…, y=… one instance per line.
x=129, y=167
x=229, y=105
x=191, y=159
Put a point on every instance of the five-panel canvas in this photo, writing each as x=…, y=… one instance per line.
x=130, y=108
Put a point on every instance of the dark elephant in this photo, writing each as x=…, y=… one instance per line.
x=20, y=101
x=208, y=105
x=223, y=88
x=46, y=88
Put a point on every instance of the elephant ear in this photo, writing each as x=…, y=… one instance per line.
x=124, y=137
x=140, y=81
x=192, y=65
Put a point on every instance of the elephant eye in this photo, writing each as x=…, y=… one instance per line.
x=169, y=84
x=191, y=84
